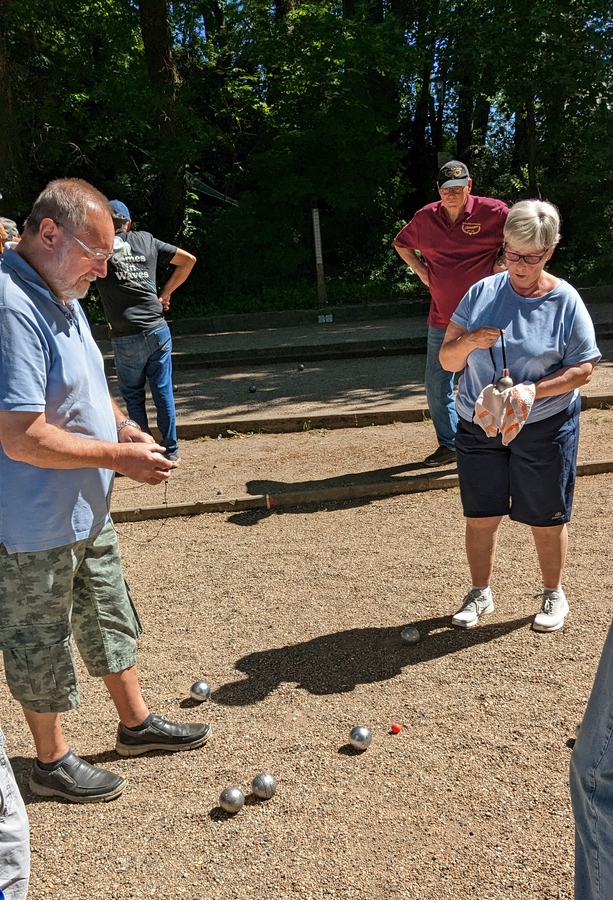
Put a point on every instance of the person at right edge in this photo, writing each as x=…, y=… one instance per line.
x=591, y=787
x=459, y=239
x=526, y=344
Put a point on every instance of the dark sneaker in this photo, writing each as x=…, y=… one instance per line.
x=173, y=458
x=77, y=781
x=160, y=735
x=442, y=456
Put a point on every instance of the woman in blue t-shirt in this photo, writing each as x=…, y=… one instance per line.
x=518, y=456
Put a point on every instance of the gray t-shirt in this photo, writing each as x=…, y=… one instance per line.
x=129, y=293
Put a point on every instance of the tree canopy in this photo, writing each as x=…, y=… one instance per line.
x=223, y=123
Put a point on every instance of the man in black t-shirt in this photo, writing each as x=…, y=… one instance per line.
x=134, y=310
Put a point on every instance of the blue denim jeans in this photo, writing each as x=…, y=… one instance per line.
x=591, y=787
x=439, y=392
x=141, y=358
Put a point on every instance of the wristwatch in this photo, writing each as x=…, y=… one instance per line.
x=129, y=422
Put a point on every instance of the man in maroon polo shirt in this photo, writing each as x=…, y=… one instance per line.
x=459, y=238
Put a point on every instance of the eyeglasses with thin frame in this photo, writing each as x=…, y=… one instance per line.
x=452, y=192
x=98, y=255
x=531, y=259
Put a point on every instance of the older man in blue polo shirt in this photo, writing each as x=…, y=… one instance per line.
x=62, y=438
x=459, y=238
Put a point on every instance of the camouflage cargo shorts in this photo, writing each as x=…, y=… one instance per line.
x=47, y=595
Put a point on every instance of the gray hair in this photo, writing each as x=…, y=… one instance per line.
x=69, y=201
x=532, y=225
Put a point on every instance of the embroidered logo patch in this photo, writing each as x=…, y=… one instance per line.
x=454, y=172
x=471, y=227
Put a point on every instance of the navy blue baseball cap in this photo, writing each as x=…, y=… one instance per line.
x=121, y=209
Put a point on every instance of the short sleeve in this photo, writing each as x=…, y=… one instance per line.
x=24, y=363
x=462, y=314
x=409, y=235
x=165, y=252
x=581, y=344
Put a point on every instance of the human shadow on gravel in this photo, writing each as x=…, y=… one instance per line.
x=22, y=766
x=250, y=517
x=340, y=483
x=351, y=479
x=336, y=663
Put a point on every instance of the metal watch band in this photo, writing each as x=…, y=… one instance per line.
x=125, y=422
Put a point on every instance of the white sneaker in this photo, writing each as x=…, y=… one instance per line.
x=554, y=609
x=476, y=603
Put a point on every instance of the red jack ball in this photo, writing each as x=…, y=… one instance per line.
x=396, y=728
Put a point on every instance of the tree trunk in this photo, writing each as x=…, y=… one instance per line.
x=525, y=147
x=168, y=196
x=464, y=137
x=481, y=119
x=533, y=184
x=422, y=155
x=282, y=8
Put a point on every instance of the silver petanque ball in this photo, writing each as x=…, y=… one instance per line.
x=360, y=737
x=264, y=786
x=410, y=635
x=232, y=799
x=200, y=691
x=504, y=383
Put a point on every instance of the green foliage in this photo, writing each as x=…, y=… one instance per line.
x=322, y=141
x=78, y=91
x=314, y=104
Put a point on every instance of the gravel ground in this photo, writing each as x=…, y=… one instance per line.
x=294, y=619
x=256, y=464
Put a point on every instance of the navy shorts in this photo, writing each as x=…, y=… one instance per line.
x=532, y=480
